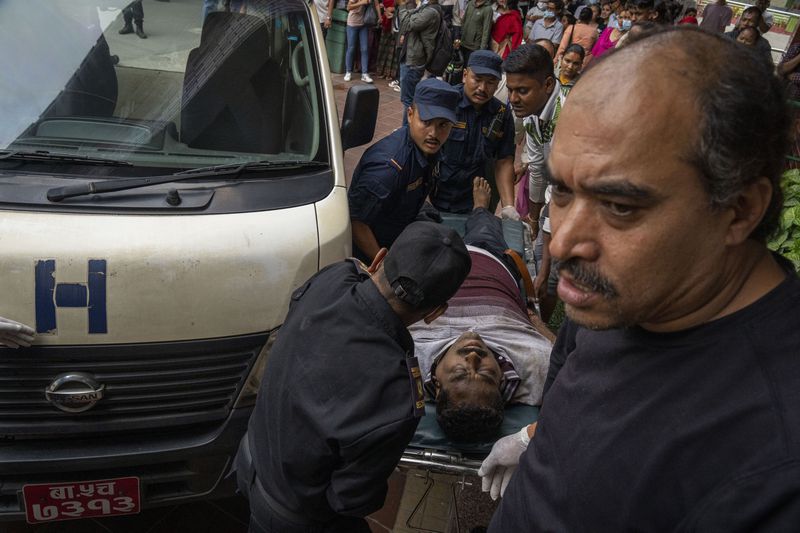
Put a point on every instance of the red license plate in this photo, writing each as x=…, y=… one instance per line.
x=50, y=502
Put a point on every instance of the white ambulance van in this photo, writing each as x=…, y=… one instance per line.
x=160, y=199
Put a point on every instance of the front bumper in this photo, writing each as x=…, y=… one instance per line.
x=173, y=466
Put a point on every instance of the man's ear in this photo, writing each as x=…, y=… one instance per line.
x=436, y=313
x=549, y=85
x=748, y=210
x=376, y=262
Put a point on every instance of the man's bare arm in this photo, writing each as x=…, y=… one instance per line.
x=787, y=67
x=365, y=239
x=504, y=176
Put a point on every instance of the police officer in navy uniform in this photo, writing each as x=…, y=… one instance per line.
x=342, y=393
x=393, y=178
x=483, y=133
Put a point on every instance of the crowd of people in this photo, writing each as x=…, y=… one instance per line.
x=379, y=29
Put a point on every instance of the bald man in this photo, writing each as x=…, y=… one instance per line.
x=674, y=386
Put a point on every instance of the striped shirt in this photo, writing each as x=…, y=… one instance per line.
x=489, y=303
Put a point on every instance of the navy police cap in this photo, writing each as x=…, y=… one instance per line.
x=485, y=62
x=434, y=98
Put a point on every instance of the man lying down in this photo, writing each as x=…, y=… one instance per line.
x=486, y=350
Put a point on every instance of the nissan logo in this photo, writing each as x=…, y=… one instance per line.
x=74, y=392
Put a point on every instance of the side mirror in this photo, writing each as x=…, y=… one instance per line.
x=360, y=115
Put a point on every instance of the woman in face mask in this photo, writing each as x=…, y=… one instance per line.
x=611, y=35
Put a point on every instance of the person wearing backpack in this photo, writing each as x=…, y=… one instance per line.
x=420, y=30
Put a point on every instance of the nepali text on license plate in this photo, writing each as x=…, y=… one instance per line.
x=49, y=502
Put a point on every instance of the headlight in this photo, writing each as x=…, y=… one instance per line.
x=247, y=397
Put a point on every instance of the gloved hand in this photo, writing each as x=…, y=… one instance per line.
x=13, y=334
x=498, y=467
x=509, y=211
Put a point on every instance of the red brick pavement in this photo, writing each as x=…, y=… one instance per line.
x=390, y=116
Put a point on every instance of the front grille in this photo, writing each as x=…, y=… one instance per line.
x=146, y=385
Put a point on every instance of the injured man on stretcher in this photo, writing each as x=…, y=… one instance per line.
x=487, y=350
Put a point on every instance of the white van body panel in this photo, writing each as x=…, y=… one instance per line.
x=335, y=238
x=169, y=278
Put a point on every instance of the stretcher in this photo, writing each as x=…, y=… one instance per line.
x=430, y=449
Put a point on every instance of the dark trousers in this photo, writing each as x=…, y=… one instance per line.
x=398, y=52
x=264, y=519
x=269, y=522
x=484, y=230
x=466, y=52
x=133, y=12
x=409, y=78
x=267, y=515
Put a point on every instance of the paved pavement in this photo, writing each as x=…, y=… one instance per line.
x=390, y=116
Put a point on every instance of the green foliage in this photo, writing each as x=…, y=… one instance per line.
x=787, y=240
x=557, y=317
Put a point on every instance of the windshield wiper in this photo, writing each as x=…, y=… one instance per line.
x=44, y=155
x=57, y=194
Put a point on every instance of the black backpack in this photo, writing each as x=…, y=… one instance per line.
x=442, y=48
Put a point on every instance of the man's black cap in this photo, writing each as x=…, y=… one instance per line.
x=485, y=62
x=427, y=264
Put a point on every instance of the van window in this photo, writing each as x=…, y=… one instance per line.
x=238, y=85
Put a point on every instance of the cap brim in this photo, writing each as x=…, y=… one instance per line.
x=485, y=71
x=430, y=112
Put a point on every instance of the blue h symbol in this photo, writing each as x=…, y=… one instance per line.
x=50, y=295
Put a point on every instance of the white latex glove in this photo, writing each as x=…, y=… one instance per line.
x=499, y=466
x=13, y=334
x=509, y=211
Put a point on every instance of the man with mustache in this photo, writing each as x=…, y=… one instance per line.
x=395, y=174
x=483, y=132
x=674, y=403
